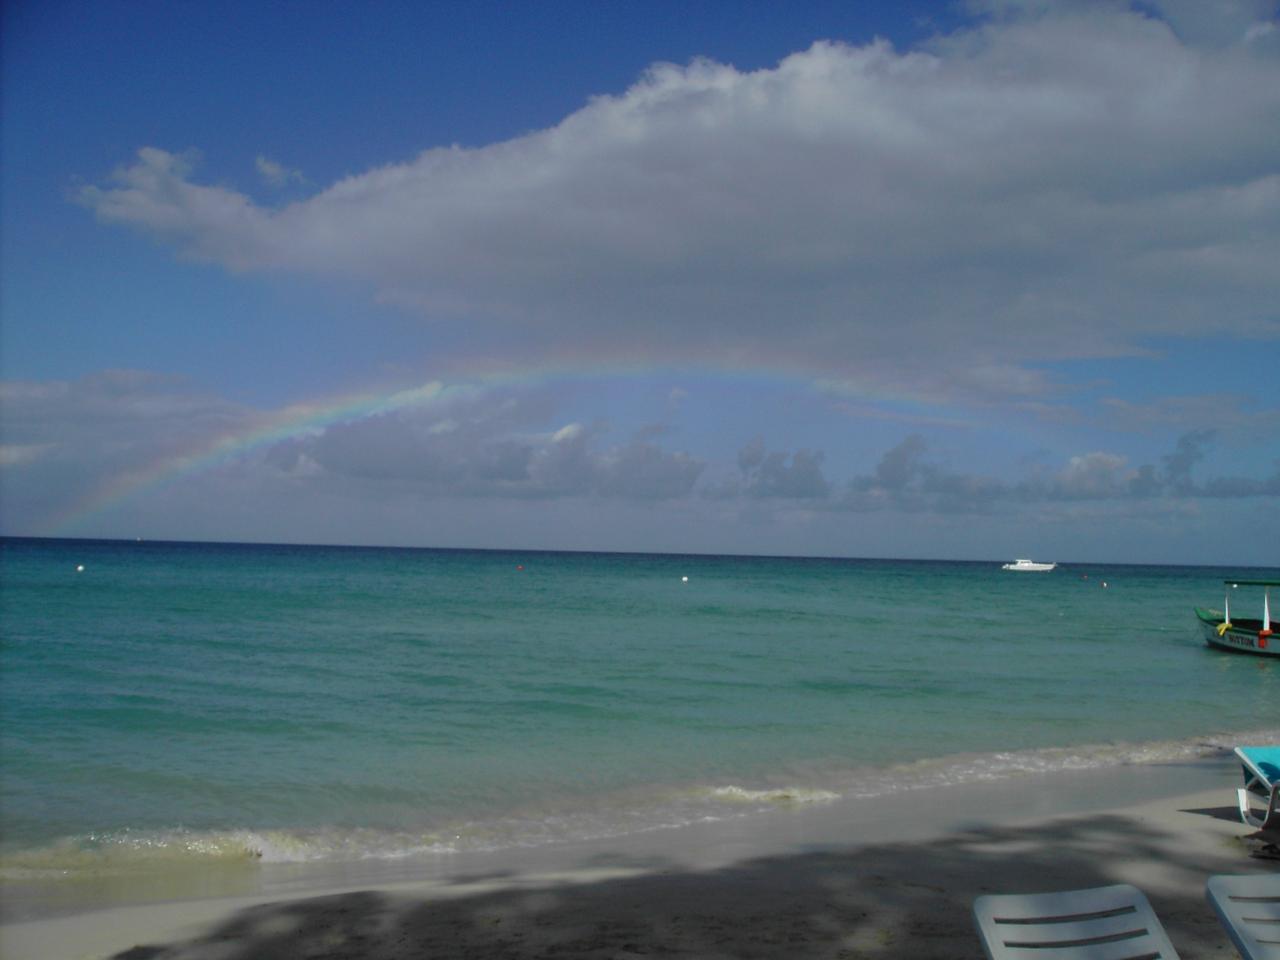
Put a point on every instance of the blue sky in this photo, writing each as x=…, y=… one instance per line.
x=876, y=279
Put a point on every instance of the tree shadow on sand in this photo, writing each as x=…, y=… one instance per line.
x=895, y=900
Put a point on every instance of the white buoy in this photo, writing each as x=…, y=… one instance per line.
x=79, y=568
x=684, y=579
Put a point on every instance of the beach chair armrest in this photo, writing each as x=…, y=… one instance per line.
x=1246, y=814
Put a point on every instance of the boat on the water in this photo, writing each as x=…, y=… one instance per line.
x=1029, y=565
x=1243, y=634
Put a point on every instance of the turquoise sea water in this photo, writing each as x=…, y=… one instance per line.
x=199, y=702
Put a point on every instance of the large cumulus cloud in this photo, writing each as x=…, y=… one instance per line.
x=1056, y=181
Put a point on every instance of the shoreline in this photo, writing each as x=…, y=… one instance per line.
x=888, y=876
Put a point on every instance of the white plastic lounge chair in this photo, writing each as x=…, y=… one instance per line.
x=1103, y=923
x=1261, y=773
x=1249, y=907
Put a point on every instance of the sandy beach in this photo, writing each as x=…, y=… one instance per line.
x=890, y=877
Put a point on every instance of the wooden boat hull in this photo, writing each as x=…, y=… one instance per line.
x=1242, y=636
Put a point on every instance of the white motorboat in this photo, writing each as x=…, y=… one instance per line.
x=1029, y=566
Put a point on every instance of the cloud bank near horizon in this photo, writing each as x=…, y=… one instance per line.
x=477, y=445
x=1054, y=183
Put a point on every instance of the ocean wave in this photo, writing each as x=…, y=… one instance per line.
x=779, y=796
x=602, y=817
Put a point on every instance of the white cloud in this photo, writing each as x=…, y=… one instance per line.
x=1217, y=22
x=1094, y=476
x=1228, y=413
x=113, y=410
x=277, y=174
x=765, y=475
x=480, y=456
x=908, y=479
x=16, y=454
x=1060, y=181
x=1259, y=31
x=207, y=222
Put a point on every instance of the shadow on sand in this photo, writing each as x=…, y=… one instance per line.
x=895, y=900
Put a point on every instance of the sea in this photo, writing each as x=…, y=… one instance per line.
x=172, y=708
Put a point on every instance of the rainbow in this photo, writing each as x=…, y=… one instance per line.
x=313, y=417
x=295, y=420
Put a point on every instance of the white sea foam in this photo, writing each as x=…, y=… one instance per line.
x=780, y=796
x=1001, y=765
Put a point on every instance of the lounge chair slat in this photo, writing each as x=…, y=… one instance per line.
x=1258, y=912
x=1249, y=908
x=1125, y=925
x=1104, y=923
x=1109, y=951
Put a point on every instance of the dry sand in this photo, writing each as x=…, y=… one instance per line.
x=895, y=879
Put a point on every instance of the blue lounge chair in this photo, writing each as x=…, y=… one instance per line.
x=1103, y=923
x=1261, y=773
x=1249, y=907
